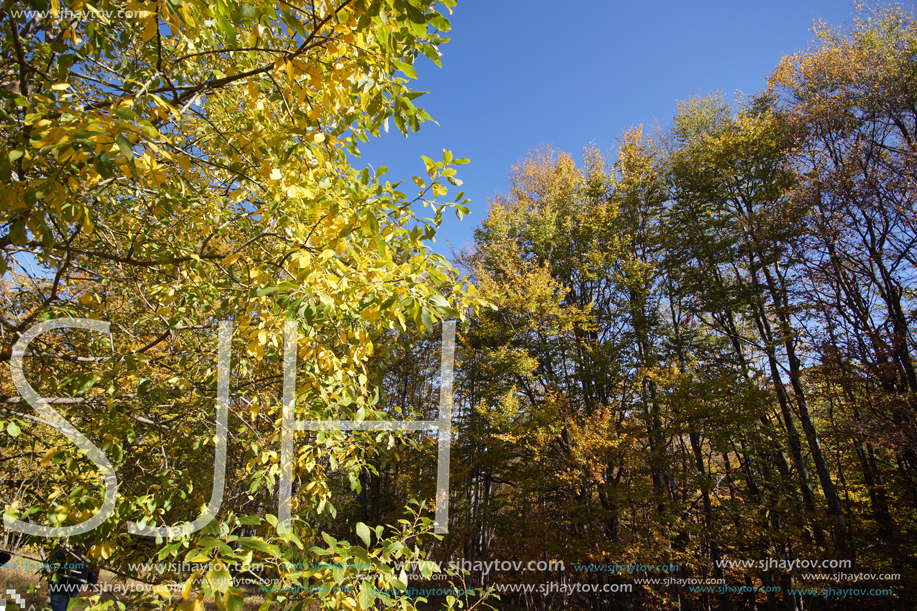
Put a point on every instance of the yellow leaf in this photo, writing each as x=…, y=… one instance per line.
x=301, y=96
x=197, y=605
x=102, y=549
x=319, y=138
x=219, y=578
x=418, y=181
x=48, y=457
x=315, y=75
x=163, y=591
x=150, y=28
x=186, y=589
x=230, y=259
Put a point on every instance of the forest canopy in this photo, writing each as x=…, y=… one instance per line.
x=170, y=167
x=685, y=377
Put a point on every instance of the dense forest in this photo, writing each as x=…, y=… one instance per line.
x=684, y=369
x=701, y=351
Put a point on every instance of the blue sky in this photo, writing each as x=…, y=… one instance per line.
x=522, y=73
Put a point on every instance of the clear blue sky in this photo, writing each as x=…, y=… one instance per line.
x=519, y=73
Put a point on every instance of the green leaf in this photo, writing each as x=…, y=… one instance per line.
x=363, y=532
x=125, y=113
x=228, y=29
x=261, y=545
x=295, y=24
x=234, y=602
x=432, y=54
x=17, y=234
x=13, y=429
x=209, y=543
x=406, y=68
x=366, y=598
x=384, y=35
x=440, y=23
x=440, y=301
x=373, y=222
x=168, y=549
x=125, y=147
x=426, y=320
x=414, y=13
x=103, y=165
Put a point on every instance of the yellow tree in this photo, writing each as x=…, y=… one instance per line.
x=170, y=165
x=851, y=99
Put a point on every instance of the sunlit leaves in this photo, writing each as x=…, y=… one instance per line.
x=188, y=163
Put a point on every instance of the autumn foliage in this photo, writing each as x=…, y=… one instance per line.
x=702, y=351
x=695, y=351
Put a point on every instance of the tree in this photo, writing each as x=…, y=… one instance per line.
x=704, y=352
x=171, y=165
x=663, y=377
x=852, y=102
